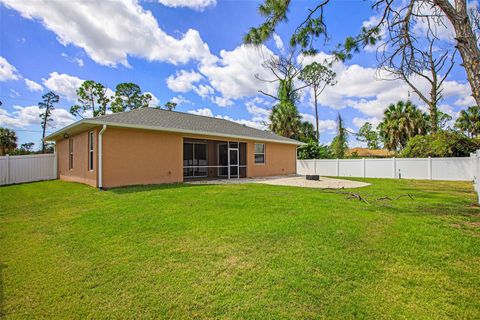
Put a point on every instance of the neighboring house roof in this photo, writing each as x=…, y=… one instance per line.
x=365, y=152
x=173, y=121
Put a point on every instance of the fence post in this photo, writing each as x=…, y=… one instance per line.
x=314, y=166
x=364, y=168
x=7, y=158
x=338, y=167
x=430, y=168
x=394, y=165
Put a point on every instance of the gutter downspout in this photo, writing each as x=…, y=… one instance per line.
x=100, y=157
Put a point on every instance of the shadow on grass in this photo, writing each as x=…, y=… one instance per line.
x=152, y=187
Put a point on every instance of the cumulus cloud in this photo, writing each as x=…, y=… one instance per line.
x=259, y=114
x=183, y=80
x=7, y=71
x=63, y=85
x=32, y=85
x=323, y=125
x=110, y=31
x=179, y=100
x=202, y=112
x=22, y=117
x=358, y=122
x=204, y=90
x=249, y=123
x=222, y=102
x=233, y=75
x=192, y=4
x=371, y=91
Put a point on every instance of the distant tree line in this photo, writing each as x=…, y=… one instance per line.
x=92, y=101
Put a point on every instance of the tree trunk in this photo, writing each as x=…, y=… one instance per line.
x=466, y=41
x=43, y=134
x=316, y=116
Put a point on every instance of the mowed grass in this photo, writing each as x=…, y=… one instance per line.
x=239, y=252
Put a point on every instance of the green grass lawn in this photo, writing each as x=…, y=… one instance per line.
x=239, y=251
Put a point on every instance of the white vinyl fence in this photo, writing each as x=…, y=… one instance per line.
x=401, y=168
x=35, y=167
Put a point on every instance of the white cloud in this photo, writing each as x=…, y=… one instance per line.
x=370, y=91
x=110, y=31
x=323, y=125
x=183, y=80
x=202, y=112
x=358, y=122
x=76, y=60
x=63, y=85
x=222, y=102
x=204, y=90
x=192, y=4
x=7, y=71
x=32, y=85
x=278, y=42
x=154, y=101
x=259, y=114
x=30, y=115
x=179, y=100
x=249, y=123
x=234, y=74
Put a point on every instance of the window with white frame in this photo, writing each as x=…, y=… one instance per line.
x=259, y=153
x=90, y=151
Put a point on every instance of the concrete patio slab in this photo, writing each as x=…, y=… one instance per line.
x=293, y=181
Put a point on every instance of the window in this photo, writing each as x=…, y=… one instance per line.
x=70, y=154
x=90, y=151
x=259, y=153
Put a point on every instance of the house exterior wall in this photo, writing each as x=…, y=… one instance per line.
x=133, y=157
x=136, y=157
x=280, y=159
x=79, y=172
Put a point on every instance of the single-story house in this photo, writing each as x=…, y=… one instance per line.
x=152, y=146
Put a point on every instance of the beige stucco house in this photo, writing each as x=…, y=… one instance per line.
x=152, y=146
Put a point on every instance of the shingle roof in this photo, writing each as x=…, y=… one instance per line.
x=157, y=119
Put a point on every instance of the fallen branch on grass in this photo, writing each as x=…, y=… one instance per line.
x=352, y=195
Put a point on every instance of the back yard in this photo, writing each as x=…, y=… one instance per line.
x=239, y=251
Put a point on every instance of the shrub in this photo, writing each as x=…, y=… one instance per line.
x=441, y=144
x=313, y=150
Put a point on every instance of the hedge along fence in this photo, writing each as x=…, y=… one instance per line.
x=408, y=168
x=27, y=168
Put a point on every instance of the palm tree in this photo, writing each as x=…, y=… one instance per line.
x=285, y=119
x=469, y=121
x=401, y=122
x=306, y=132
x=8, y=141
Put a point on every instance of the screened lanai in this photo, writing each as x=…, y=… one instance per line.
x=213, y=159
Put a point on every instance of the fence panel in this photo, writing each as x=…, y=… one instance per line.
x=351, y=168
x=407, y=168
x=27, y=168
x=453, y=168
x=413, y=168
x=379, y=168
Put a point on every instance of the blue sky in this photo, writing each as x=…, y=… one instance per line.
x=187, y=51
